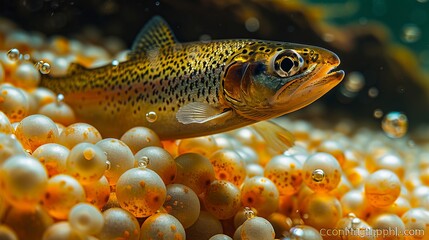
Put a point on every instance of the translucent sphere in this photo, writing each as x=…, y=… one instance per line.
x=229, y=166
x=160, y=161
x=97, y=193
x=162, y=225
x=205, y=227
x=14, y=103
x=395, y=124
x=25, y=76
x=79, y=133
x=354, y=202
x=304, y=232
x=322, y=172
x=222, y=199
x=53, y=156
x=416, y=221
x=385, y=222
x=281, y=223
x=286, y=174
x=59, y=112
x=5, y=125
x=195, y=171
x=257, y=228
x=140, y=191
x=260, y=193
x=42, y=96
x=7, y=234
x=320, y=210
x=23, y=181
x=351, y=227
x=382, y=188
x=28, y=225
x=86, y=162
x=357, y=176
x=62, y=193
x=220, y=237
x=392, y=162
x=86, y=219
x=202, y=145
x=36, y=130
x=9, y=146
x=61, y=231
x=182, y=203
x=254, y=169
x=334, y=148
x=140, y=137
x=120, y=157
x=119, y=224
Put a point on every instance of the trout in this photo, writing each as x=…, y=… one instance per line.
x=183, y=90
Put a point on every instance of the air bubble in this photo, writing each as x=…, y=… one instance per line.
x=318, y=175
x=13, y=54
x=45, y=68
x=395, y=124
x=411, y=33
x=108, y=164
x=378, y=113
x=249, y=213
x=115, y=63
x=143, y=162
x=151, y=117
x=354, y=82
x=252, y=24
x=373, y=92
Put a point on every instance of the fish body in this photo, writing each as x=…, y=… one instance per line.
x=192, y=89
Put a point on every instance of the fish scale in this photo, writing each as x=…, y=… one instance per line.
x=196, y=88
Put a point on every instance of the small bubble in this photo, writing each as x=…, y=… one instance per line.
x=13, y=54
x=108, y=165
x=252, y=24
x=143, y=162
x=157, y=3
x=354, y=82
x=26, y=57
x=395, y=124
x=45, y=68
x=378, y=113
x=60, y=98
x=38, y=65
x=151, y=117
x=249, y=213
x=373, y=92
x=205, y=38
x=318, y=175
x=115, y=63
x=411, y=33
x=355, y=221
x=297, y=232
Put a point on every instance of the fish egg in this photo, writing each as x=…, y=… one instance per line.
x=257, y=228
x=14, y=103
x=62, y=193
x=220, y=237
x=202, y=145
x=61, y=231
x=228, y=165
x=351, y=227
x=313, y=176
x=42, y=96
x=222, y=199
x=23, y=181
x=13, y=54
x=140, y=137
x=248, y=154
x=28, y=225
x=9, y=146
x=281, y=224
x=97, y=193
x=86, y=162
x=334, y=148
x=392, y=162
x=119, y=156
x=357, y=176
x=182, y=203
x=321, y=210
x=354, y=202
x=304, y=232
x=382, y=188
x=5, y=125
x=160, y=161
x=385, y=222
x=53, y=156
x=86, y=219
x=286, y=174
x=254, y=169
x=416, y=221
x=119, y=224
x=260, y=193
x=140, y=191
x=79, y=133
x=162, y=226
x=205, y=227
x=2, y=74
x=395, y=124
x=25, y=76
x=195, y=171
x=59, y=112
x=151, y=117
x=7, y=234
x=36, y=130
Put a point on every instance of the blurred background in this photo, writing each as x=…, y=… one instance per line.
x=383, y=45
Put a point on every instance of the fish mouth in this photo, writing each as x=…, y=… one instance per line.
x=309, y=86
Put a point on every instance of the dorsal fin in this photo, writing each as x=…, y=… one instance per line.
x=155, y=34
x=75, y=68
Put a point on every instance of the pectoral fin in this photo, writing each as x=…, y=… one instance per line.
x=197, y=112
x=277, y=138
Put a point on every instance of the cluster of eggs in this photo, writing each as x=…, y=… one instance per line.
x=59, y=179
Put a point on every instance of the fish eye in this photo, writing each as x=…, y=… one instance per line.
x=287, y=63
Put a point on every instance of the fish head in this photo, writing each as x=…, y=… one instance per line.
x=269, y=80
